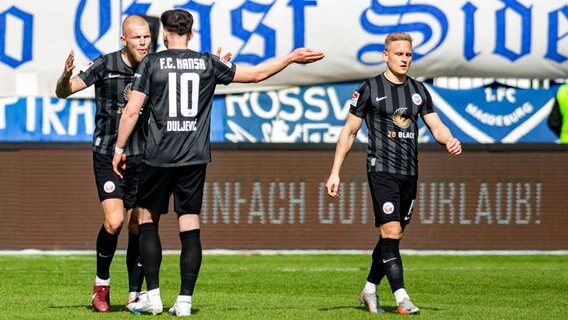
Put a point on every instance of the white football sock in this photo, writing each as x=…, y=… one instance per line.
x=184, y=299
x=370, y=287
x=133, y=295
x=154, y=295
x=101, y=282
x=399, y=295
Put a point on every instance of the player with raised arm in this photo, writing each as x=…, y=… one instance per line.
x=178, y=86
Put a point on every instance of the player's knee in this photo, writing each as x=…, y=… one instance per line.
x=391, y=230
x=113, y=226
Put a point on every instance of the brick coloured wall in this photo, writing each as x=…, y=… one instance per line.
x=274, y=199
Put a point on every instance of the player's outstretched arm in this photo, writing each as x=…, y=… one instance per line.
x=265, y=70
x=67, y=85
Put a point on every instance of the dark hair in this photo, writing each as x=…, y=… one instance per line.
x=177, y=20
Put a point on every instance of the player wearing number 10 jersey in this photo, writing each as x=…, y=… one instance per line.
x=179, y=84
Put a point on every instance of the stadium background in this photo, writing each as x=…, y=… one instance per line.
x=493, y=83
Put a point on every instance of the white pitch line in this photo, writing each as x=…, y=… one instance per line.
x=222, y=252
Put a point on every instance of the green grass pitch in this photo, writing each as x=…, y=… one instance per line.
x=297, y=287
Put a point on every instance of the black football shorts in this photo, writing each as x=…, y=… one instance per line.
x=185, y=183
x=110, y=186
x=393, y=197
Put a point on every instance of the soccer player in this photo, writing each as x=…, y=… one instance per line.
x=390, y=104
x=112, y=75
x=179, y=84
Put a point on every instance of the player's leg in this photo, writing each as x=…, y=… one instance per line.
x=378, y=183
x=188, y=199
x=385, y=190
x=190, y=263
x=408, y=195
x=153, y=200
x=110, y=191
x=107, y=237
x=368, y=296
x=151, y=257
x=133, y=260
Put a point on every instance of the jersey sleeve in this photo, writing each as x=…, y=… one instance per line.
x=224, y=70
x=142, y=76
x=359, y=99
x=94, y=72
x=428, y=104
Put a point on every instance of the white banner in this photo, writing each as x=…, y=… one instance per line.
x=475, y=38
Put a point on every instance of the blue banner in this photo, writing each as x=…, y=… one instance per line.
x=460, y=38
x=310, y=114
x=295, y=115
x=46, y=120
x=496, y=114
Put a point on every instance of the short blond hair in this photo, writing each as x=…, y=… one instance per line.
x=397, y=36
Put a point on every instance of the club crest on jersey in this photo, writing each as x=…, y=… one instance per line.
x=109, y=187
x=354, y=98
x=388, y=207
x=417, y=99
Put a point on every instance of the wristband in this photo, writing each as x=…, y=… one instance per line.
x=118, y=150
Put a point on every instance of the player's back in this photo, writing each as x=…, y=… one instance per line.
x=180, y=84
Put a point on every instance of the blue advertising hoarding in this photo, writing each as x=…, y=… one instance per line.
x=310, y=114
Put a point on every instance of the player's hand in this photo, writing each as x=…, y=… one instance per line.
x=332, y=186
x=227, y=57
x=69, y=64
x=454, y=147
x=119, y=161
x=306, y=55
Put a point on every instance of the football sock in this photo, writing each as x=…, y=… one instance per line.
x=377, y=271
x=370, y=287
x=132, y=296
x=106, y=246
x=154, y=295
x=399, y=295
x=190, y=260
x=150, y=254
x=102, y=282
x=392, y=263
x=181, y=298
x=134, y=264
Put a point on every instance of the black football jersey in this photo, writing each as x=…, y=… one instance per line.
x=180, y=84
x=113, y=80
x=391, y=114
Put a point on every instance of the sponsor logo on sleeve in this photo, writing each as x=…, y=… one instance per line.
x=354, y=98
